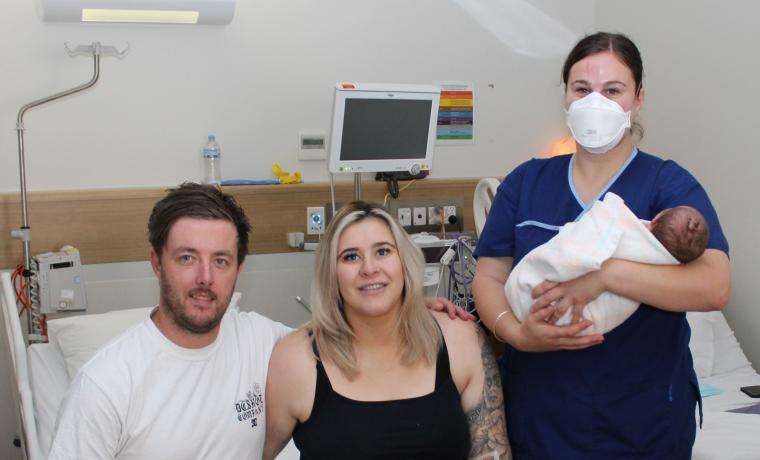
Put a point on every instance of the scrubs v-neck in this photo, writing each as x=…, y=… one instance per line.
x=633, y=396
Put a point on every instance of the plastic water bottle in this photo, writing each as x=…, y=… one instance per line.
x=212, y=162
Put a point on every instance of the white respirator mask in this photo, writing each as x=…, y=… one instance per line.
x=597, y=123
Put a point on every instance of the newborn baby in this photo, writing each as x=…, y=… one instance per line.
x=683, y=232
x=608, y=230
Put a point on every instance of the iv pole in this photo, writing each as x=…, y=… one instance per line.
x=24, y=232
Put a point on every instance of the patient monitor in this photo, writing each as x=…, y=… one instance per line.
x=383, y=128
x=58, y=282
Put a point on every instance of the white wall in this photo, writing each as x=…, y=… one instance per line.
x=256, y=82
x=132, y=285
x=701, y=109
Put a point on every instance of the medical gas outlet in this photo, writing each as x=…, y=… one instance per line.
x=315, y=220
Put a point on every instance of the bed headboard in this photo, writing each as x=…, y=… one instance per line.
x=111, y=225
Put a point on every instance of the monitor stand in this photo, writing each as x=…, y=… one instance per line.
x=357, y=186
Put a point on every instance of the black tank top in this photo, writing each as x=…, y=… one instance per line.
x=432, y=426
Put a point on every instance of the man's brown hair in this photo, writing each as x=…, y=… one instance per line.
x=199, y=202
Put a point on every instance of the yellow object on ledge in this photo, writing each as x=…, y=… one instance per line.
x=284, y=176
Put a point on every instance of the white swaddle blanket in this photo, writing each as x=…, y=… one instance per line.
x=608, y=229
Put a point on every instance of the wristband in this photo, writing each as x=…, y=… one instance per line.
x=496, y=323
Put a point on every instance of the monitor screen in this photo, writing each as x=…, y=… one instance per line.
x=379, y=129
x=383, y=128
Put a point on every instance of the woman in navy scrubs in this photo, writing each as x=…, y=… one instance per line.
x=631, y=393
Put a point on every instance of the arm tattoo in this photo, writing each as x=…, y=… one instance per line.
x=488, y=426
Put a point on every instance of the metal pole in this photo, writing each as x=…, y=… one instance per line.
x=25, y=231
x=357, y=186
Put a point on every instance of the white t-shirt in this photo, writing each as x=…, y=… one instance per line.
x=143, y=397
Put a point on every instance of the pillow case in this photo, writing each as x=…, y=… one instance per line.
x=79, y=337
x=729, y=356
x=702, y=342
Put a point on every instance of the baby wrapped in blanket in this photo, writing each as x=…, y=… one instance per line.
x=608, y=229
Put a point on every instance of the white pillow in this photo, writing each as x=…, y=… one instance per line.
x=79, y=337
x=728, y=353
x=702, y=342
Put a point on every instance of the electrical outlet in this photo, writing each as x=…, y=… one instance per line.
x=405, y=216
x=448, y=212
x=419, y=216
x=315, y=220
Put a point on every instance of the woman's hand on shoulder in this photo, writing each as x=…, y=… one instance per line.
x=445, y=305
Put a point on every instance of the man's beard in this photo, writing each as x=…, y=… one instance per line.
x=178, y=311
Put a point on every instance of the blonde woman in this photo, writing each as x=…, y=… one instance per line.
x=375, y=374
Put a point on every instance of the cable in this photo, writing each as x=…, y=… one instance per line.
x=461, y=265
x=332, y=193
x=392, y=184
x=31, y=304
x=19, y=287
x=34, y=302
x=385, y=199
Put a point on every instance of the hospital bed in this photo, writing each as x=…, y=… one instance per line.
x=723, y=368
x=41, y=372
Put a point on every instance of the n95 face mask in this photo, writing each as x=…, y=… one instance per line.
x=597, y=123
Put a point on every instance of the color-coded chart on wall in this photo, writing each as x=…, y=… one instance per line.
x=455, y=114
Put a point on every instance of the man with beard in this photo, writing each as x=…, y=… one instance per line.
x=188, y=381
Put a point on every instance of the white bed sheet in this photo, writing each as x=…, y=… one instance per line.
x=728, y=435
x=49, y=381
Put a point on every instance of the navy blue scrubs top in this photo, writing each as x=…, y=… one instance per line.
x=633, y=396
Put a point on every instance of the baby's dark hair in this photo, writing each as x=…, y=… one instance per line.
x=683, y=231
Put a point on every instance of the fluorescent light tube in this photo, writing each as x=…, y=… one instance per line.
x=149, y=16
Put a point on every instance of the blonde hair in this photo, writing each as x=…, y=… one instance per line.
x=420, y=336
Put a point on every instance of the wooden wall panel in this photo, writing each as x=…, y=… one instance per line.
x=111, y=225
